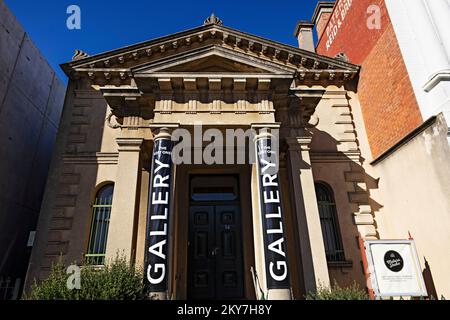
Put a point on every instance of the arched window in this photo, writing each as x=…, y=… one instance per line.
x=101, y=213
x=329, y=222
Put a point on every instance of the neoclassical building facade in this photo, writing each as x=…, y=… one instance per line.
x=210, y=230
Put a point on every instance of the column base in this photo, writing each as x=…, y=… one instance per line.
x=279, y=294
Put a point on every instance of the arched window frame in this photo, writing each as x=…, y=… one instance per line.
x=329, y=222
x=99, y=227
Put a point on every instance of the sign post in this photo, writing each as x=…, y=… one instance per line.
x=362, y=247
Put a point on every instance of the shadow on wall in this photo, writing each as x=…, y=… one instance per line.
x=428, y=279
x=352, y=186
x=66, y=212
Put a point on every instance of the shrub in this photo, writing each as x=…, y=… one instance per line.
x=117, y=280
x=353, y=292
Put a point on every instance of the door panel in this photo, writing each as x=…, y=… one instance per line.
x=201, y=241
x=229, y=263
x=215, y=253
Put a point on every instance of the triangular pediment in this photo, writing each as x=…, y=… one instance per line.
x=212, y=59
x=214, y=63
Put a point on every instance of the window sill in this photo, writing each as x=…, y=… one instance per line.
x=94, y=266
x=340, y=264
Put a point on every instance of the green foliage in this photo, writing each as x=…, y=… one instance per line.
x=117, y=280
x=337, y=293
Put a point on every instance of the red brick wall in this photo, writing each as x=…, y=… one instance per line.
x=388, y=103
x=387, y=99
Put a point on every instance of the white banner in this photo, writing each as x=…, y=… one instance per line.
x=394, y=268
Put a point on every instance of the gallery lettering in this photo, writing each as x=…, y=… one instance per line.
x=272, y=216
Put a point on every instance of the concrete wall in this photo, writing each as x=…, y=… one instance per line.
x=31, y=100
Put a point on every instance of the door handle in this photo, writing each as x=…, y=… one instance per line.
x=214, y=251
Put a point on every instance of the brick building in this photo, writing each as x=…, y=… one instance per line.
x=407, y=38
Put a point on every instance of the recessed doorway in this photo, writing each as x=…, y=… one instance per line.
x=215, y=246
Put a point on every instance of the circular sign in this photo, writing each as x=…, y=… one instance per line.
x=393, y=261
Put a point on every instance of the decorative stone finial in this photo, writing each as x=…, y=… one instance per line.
x=213, y=19
x=79, y=55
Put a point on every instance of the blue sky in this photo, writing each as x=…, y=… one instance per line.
x=106, y=25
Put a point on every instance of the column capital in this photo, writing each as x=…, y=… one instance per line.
x=129, y=144
x=163, y=130
x=299, y=143
x=262, y=129
x=271, y=125
x=164, y=133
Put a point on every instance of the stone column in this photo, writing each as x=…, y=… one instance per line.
x=158, y=241
x=269, y=236
x=312, y=247
x=122, y=223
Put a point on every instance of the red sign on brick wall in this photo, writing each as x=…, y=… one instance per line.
x=350, y=29
x=336, y=21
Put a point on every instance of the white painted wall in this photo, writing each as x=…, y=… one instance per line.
x=422, y=29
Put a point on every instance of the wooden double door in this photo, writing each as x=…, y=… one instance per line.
x=215, y=260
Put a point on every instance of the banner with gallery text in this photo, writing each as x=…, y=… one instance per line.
x=277, y=272
x=157, y=236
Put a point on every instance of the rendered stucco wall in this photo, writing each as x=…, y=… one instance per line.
x=415, y=188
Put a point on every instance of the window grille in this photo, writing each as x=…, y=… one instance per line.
x=329, y=223
x=101, y=214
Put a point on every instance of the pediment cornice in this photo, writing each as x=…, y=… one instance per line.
x=122, y=64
